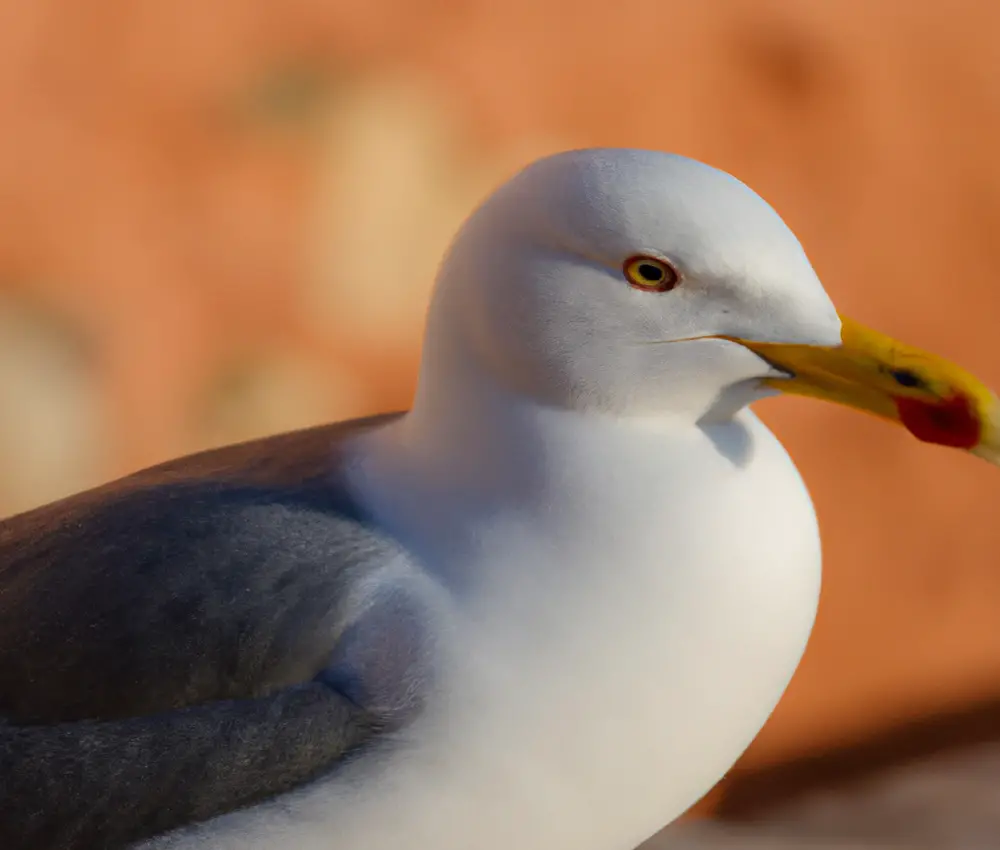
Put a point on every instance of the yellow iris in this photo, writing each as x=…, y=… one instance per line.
x=650, y=273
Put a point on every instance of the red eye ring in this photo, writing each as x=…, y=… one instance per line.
x=650, y=274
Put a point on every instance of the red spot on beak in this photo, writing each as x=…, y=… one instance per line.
x=949, y=422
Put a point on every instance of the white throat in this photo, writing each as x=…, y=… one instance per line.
x=474, y=444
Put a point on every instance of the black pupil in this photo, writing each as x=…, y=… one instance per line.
x=650, y=272
x=906, y=378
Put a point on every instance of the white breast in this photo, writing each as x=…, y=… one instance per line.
x=613, y=641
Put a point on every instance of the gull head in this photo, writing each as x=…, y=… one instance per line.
x=641, y=283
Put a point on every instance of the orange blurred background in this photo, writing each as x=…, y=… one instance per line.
x=221, y=220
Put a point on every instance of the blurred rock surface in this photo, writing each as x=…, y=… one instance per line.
x=948, y=802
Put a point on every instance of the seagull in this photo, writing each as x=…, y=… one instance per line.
x=548, y=606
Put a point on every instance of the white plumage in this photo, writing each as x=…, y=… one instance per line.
x=621, y=561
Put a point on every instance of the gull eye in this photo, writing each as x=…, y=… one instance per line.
x=650, y=274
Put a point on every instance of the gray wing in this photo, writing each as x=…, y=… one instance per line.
x=172, y=645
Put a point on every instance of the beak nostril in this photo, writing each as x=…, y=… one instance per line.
x=906, y=378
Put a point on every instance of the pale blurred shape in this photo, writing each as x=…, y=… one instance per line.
x=52, y=439
x=276, y=393
x=395, y=182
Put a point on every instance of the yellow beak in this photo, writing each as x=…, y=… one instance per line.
x=935, y=400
